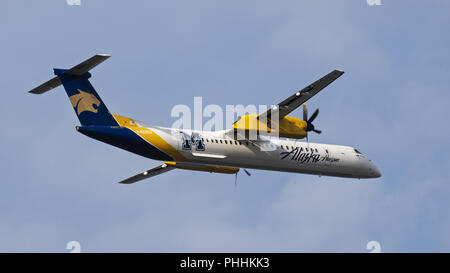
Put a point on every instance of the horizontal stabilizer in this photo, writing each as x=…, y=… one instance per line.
x=87, y=65
x=78, y=70
x=46, y=86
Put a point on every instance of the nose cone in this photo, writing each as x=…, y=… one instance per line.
x=374, y=172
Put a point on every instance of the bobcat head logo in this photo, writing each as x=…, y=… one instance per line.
x=84, y=101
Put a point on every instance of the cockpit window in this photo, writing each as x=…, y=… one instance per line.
x=358, y=152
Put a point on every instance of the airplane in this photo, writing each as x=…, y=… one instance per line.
x=224, y=151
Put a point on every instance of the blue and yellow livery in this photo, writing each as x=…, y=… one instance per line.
x=220, y=151
x=96, y=120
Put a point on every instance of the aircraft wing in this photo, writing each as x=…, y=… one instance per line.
x=290, y=104
x=148, y=173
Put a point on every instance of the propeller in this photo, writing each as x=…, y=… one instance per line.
x=309, y=125
x=235, y=178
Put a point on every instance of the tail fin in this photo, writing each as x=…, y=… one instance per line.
x=87, y=104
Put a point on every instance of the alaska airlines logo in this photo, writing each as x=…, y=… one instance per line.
x=84, y=101
x=307, y=157
x=192, y=140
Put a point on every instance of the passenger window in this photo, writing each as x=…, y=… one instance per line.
x=326, y=151
x=226, y=142
x=217, y=141
x=220, y=141
x=317, y=151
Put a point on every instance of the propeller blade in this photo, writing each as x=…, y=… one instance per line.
x=309, y=125
x=249, y=174
x=313, y=116
x=305, y=112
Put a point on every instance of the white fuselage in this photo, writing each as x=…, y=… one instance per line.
x=287, y=155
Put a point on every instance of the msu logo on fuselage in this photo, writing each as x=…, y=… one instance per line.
x=84, y=101
x=192, y=140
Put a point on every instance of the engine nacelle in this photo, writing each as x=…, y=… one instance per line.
x=288, y=127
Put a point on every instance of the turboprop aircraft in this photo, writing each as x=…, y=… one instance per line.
x=224, y=151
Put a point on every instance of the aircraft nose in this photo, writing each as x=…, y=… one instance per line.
x=374, y=171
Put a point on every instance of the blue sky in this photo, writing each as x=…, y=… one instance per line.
x=392, y=104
